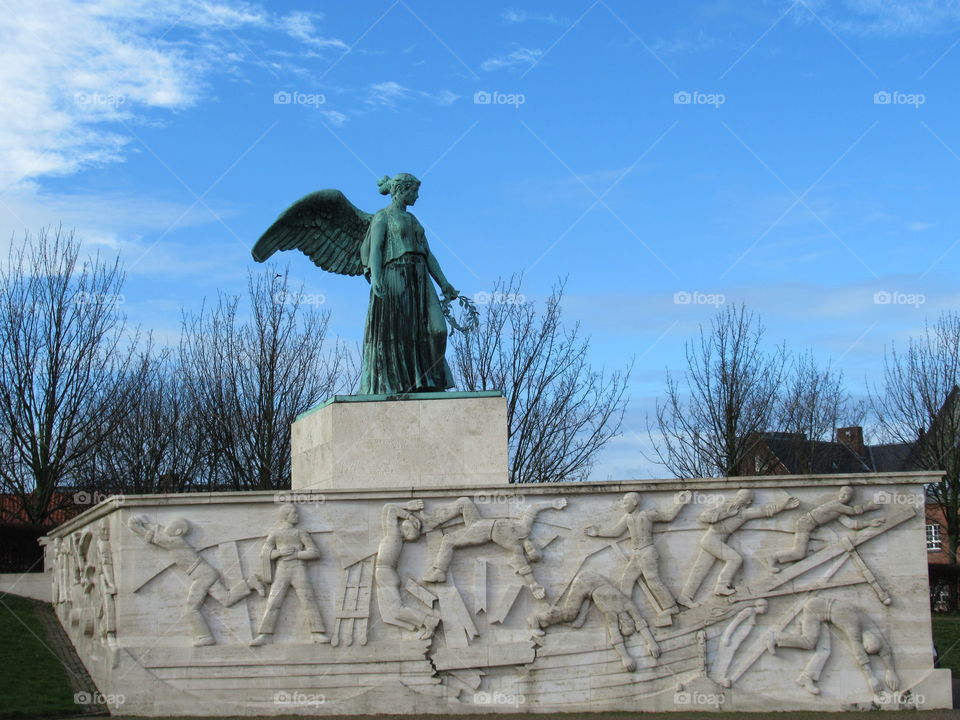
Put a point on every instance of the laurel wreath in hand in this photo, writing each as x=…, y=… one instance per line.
x=470, y=315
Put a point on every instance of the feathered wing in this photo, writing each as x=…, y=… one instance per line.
x=327, y=227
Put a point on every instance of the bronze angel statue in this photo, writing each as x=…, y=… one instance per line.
x=405, y=338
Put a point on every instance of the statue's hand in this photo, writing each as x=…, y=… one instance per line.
x=450, y=292
x=377, y=288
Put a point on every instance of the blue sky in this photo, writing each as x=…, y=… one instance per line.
x=800, y=157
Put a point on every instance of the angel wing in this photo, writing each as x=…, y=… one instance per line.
x=327, y=227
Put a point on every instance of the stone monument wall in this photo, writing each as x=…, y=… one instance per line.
x=738, y=594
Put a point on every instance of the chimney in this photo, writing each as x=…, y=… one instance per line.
x=852, y=437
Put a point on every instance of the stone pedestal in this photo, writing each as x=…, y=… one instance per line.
x=426, y=440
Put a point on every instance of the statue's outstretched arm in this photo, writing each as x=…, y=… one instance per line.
x=438, y=275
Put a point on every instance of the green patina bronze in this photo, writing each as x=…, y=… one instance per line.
x=405, y=339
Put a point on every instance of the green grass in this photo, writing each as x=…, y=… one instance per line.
x=32, y=680
x=946, y=634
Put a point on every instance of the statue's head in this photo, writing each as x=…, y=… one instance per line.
x=104, y=530
x=289, y=514
x=846, y=494
x=410, y=529
x=743, y=498
x=177, y=527
x=403, y=186
x=631, y=501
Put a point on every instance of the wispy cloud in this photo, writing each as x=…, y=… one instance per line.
x=337, y=119
x=885, y=18
x=511, y=16
x=520, y=56
x=72, y=71
x=300, y=25
x=390, y=94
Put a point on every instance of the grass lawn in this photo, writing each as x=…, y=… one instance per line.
x=32, y=680
x=946, y=634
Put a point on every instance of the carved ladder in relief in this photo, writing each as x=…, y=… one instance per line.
x=354, y=612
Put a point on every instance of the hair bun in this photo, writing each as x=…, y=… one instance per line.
x=384, y=184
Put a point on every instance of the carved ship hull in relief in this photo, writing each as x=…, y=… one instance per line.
x=355, y=603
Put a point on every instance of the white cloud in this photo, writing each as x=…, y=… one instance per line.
x=445, y=97
x=28, y=208
x=300, y=26
x=886, y=17
x=337, y=119
x=72, y=72
x=520, y=56
x=389, y=94
x=516, y=17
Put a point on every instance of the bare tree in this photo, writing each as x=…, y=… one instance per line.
x=159, y=445
x=560, y=411
x=814, y=402
x=67, y=372
x=709, y=428
x=920, y=406
x=250, y=379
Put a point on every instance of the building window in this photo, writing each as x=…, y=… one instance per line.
x=933, y=538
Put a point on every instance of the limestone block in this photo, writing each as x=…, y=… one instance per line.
x=360, y=442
